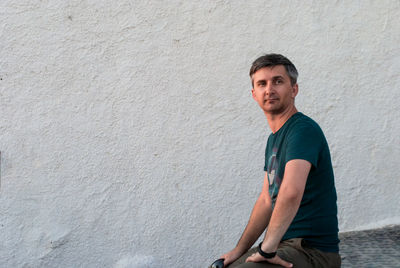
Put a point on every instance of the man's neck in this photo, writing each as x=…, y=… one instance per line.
x=276, y=121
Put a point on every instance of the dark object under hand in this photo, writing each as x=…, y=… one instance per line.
x=218, y=264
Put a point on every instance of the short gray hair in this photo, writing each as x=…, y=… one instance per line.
x=271, y=60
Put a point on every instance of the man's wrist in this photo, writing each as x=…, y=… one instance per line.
x=268, y=246
x=267, y=255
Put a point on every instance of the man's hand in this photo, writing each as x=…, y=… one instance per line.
x=231, y=256
x=256, y=257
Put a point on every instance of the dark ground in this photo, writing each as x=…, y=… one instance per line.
x=371, y=248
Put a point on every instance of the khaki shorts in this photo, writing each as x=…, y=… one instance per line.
x=293, y=251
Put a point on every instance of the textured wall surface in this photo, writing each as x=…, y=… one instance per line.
x=129, y=137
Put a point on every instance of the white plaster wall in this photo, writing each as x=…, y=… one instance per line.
x=129, y=138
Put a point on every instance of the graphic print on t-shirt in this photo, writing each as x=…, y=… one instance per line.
x=273, y=178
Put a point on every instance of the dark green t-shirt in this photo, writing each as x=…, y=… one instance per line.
x=316, y=220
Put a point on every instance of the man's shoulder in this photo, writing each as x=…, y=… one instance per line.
x=303, y=122
x=305, y=131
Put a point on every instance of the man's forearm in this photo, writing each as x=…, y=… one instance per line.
x=287, y=203
x=284, y=213
x=258, y=221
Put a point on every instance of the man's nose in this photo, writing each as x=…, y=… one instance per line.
x=269, y=88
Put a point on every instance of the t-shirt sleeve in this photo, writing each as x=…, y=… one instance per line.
x=266, y=150
x=304, y=142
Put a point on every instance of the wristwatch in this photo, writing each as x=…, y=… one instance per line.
x=267, y=255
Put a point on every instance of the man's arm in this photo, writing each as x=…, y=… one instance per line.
x=287, y=204
x=258, y=221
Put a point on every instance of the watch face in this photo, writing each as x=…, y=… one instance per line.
x=218, y=264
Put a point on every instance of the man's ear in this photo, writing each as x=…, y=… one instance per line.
x=253, y=93
x=295, y=90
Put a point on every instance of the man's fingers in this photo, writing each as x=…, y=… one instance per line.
x=254, y=258
x=275, y=260
x=226, y=262
x=282, y=262
x=230, y=257
x=250, y=259
x=227, y=259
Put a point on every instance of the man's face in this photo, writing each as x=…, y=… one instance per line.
x=272, y=89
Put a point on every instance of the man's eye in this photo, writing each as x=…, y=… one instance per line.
x=279, y=81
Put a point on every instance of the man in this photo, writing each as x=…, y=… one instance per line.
x=297, y=204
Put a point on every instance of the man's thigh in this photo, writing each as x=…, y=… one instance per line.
x=289, y=251
x=241, y=262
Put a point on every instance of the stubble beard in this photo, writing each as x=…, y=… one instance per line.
x=273, y=109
